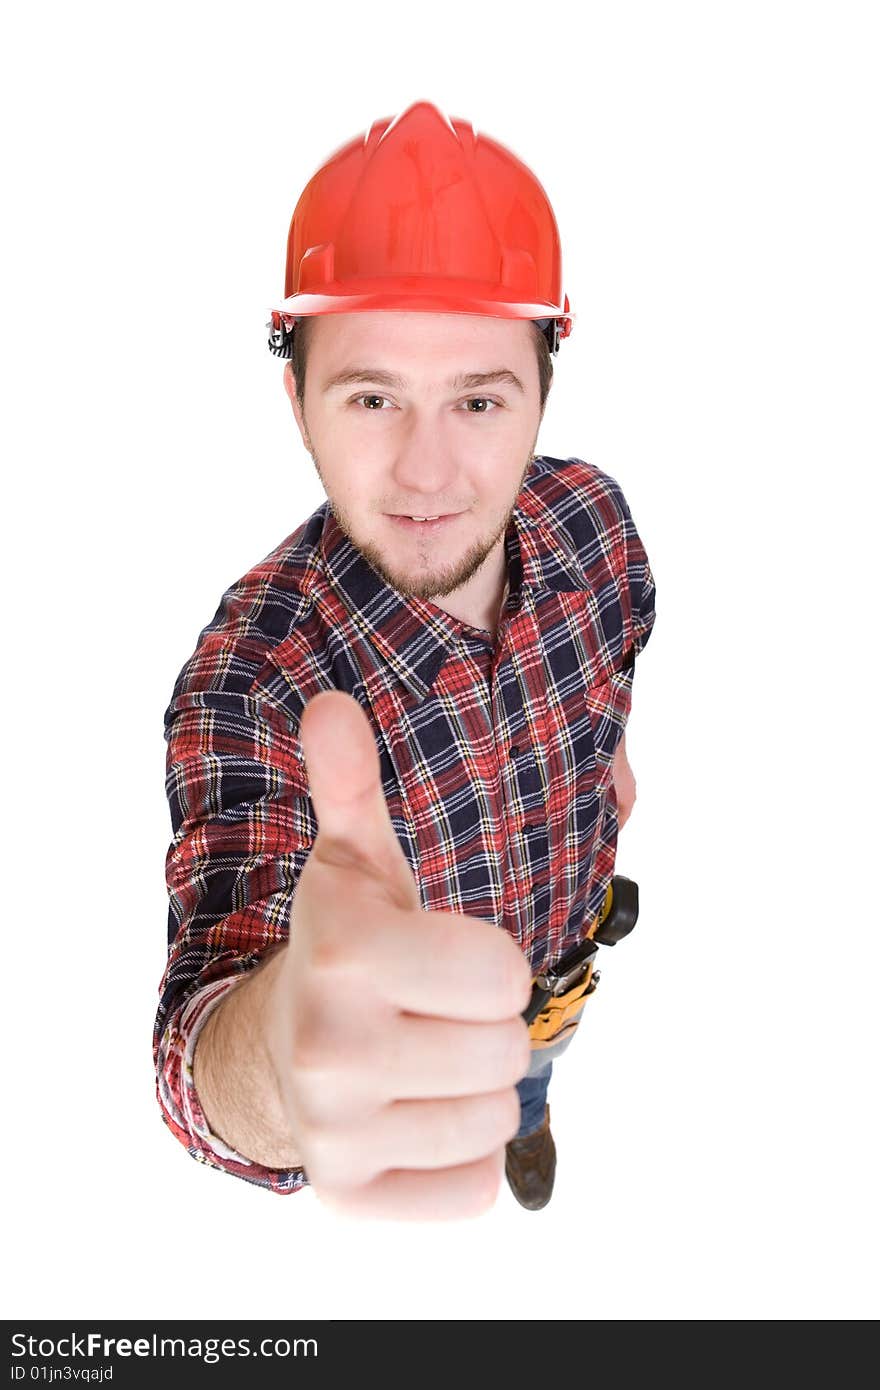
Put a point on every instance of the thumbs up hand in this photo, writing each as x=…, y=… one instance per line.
x=395, y=1034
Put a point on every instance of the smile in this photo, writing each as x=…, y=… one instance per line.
x=425, y=526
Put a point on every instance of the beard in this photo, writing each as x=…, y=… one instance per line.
x=430, y=576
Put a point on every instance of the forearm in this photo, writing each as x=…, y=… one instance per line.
x=234, y=1077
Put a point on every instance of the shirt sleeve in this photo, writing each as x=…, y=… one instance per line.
x=243, y=827
x=643, y=591
x=640, y=587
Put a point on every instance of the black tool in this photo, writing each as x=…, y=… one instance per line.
x=619, y=915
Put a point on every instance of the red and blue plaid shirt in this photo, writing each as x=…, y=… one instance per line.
x=496, y=754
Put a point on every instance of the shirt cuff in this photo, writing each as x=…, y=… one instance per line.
x=180, y=1099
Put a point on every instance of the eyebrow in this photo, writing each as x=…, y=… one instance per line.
x=375, y=375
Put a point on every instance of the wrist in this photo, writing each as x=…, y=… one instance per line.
x=234, y=1074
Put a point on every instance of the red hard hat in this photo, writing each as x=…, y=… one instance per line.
x=422, y=213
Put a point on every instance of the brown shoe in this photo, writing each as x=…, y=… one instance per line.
x=530, y=1166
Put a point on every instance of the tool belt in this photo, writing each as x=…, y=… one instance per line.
x=560, y=991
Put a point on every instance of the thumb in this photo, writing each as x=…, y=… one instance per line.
x=354, y=827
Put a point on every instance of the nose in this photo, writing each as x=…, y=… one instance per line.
x=424, y=461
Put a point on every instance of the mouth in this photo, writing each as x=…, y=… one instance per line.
x=425, y=526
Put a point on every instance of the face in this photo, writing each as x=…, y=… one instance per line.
x=399, y=424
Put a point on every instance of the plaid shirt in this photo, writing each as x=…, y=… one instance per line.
x=496, y=756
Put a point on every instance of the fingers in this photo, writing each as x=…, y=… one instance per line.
x=466, y=1190
x=445, y=965
x=424, y=1058
x=417, y=1134
x=348, y=1069
x=430, y=1134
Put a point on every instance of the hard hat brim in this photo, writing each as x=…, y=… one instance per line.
x=459, y=300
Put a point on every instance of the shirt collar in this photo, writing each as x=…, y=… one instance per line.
x=414, y=636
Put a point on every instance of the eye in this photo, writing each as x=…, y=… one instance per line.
x=369, y=397
x=486, y=400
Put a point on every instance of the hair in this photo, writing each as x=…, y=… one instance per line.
x=300, y=353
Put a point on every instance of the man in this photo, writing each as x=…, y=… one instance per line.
x=396, y=758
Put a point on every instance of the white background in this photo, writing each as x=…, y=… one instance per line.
x=714, y=177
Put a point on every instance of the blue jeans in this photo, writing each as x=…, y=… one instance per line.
x=532, y=1099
